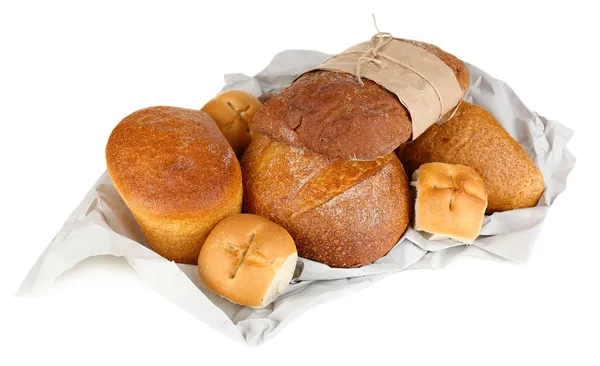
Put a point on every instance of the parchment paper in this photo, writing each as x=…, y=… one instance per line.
x=102, y=224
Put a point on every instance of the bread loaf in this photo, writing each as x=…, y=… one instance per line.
x=342, y=213
x=248, y=260
x=331, y=113
x=177, y=174
x=476, y=139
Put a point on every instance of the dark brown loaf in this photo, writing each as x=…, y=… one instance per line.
x=476, y=139
x=342, y=213
x=177, y=174
x=332, y=114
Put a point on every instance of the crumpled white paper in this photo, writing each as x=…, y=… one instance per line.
x=102, y=224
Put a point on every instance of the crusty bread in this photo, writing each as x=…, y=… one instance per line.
x=265, y=97
x=233, y=111
x=332, y=114
x=340, y=212
x=248, y=260
x=474, y=138
x=178, y=176
x=450, y=201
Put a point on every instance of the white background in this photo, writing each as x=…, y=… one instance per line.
x=69, y=72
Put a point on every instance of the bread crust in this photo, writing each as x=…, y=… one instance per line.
x=332, y=114
x=339, y=212
x=474, y=138
x=233, y=111
x=177, y=174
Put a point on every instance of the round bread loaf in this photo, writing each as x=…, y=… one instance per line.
x=248, y=260
x=177, y=174
x=331, y=113
x=233, y=111
x=340, y=212
x=474, y=138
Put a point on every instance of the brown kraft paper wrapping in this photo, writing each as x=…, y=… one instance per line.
x=424, y=84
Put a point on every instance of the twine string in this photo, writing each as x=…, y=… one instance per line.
x=373, y=55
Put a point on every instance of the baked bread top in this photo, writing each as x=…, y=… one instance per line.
x=172, y=162
x=331, y=113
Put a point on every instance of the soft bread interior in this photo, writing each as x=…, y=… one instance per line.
x=281, y=280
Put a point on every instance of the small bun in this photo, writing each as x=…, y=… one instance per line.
x=451, y=201
x=234, y=111
x=248, y=260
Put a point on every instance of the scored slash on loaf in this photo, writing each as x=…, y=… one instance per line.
x=340, y=212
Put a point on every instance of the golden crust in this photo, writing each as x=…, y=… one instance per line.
x=332, y=114
x=474, y=138
x=234, y=111
x=451, y=201
x=177, y=174
x=241, y=257
x=339, y=212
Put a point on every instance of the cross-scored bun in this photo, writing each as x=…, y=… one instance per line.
x=248, y=260
x=451, y=201
x=233, y=111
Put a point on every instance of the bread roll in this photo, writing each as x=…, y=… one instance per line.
x=332, y=114
x=342, y=213
x=248, y=260
x=233, y=111
x=474, y=138
x=450, y=201
x=178, y=176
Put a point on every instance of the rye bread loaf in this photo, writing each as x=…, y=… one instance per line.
x=340, y=212
x=476, y=139
x=331, y=113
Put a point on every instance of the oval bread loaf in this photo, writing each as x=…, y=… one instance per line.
x=177, y=174
x=476, y=139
